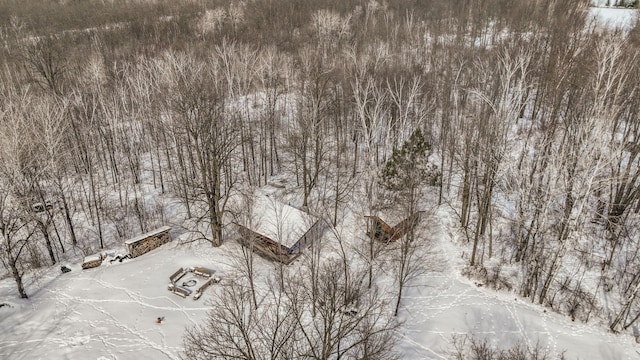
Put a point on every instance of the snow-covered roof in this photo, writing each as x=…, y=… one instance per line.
x=279, y=222
x=94, y=257
x=146, y=235
x=390, y=216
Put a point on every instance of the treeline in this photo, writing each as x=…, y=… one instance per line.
x=46, y=17
x=529, y=110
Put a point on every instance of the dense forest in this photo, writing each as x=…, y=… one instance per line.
x=519, y=117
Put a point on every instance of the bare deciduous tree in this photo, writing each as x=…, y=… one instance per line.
x=211, y=136
x=284, y=327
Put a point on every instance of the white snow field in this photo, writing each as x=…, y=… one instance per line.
x=613, y=18
x=453, y=305
x=110, y=312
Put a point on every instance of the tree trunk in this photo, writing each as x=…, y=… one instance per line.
x=15, y=272
x=47, y=241
x=67, y=216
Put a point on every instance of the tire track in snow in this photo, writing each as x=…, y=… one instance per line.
x=420, y=346
x=511, y=308
x=133, y=300
x=134, y=297
x=137, y=334
x=113, y=321
x=552, y=345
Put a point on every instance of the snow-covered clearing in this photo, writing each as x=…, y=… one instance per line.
x=453, y=305
x=615, y=18
x=110, y=312
x=105, y=313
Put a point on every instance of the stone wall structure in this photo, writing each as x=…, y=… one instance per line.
x=144, y=243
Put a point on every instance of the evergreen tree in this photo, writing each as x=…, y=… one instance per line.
x=408, y=166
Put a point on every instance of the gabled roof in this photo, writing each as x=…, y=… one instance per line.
x=279, y=222
x=391, y=216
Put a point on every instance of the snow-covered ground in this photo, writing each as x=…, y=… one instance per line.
x=110, y=312
x=616, y=18
x=453, y=305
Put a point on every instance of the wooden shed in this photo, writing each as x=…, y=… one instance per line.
x=92, y=261
x=378, y=229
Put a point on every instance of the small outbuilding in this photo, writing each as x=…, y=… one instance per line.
x=92, y=261
x=279, y=231
x=378, y=229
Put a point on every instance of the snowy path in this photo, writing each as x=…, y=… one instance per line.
x=451, y=305
x=434, y=315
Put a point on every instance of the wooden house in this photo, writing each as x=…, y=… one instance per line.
x=279, y=231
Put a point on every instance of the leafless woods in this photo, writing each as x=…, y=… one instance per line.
x=531, y=122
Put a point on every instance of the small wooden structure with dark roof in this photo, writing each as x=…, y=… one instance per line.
x=379, y=230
